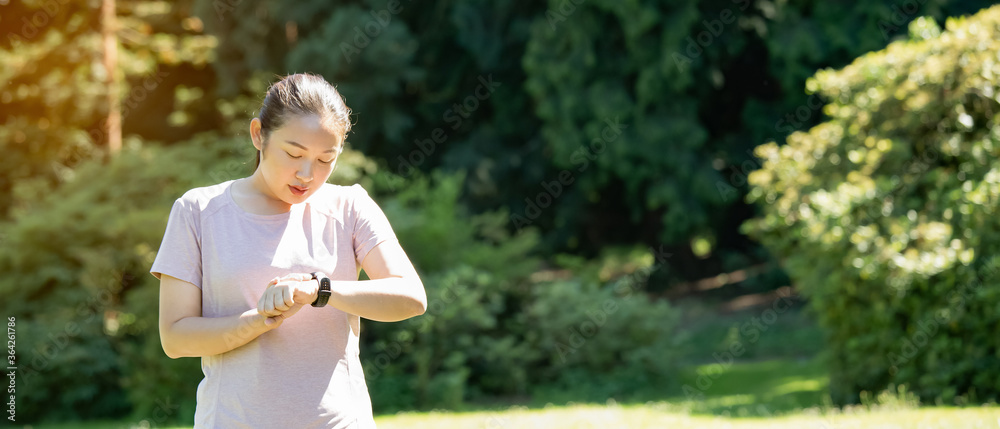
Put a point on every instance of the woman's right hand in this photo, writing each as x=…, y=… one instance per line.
x=277, y=303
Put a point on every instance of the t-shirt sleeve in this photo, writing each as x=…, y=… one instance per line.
x=180, y=251
x=371, y=227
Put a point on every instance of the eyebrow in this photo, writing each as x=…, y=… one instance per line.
x=306, y=149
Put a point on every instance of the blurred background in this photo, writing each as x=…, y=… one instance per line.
x=728, y=208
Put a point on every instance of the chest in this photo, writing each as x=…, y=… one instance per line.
x=241, y=255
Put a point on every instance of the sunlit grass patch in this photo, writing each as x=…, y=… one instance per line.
x=660, y=415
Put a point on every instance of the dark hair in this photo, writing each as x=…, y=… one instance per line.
x=302, y=94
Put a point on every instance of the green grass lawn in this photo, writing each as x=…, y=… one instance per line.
x=664, y=415
x=785, y=393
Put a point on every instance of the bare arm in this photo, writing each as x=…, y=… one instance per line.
x=185, y=333
x=394, y=292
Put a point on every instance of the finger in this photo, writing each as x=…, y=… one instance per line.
x=260, y=303
x=280, y=318
x=279, y=299
x=289, y=297
x=269, y=302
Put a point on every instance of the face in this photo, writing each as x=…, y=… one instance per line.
x=298, y=157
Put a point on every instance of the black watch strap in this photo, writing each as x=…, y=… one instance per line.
x=323, y=295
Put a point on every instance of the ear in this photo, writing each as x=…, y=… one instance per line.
x=255, y=134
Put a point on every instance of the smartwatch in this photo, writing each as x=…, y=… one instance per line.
x=323, y=295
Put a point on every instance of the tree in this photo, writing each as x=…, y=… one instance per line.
x=55, y=97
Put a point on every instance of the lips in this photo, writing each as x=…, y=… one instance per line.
x=297, y=190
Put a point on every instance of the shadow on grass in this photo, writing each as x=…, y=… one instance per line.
x=755, y=389
x=742, y=389
x=777, y=373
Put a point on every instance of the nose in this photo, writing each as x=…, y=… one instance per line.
x=304, y=172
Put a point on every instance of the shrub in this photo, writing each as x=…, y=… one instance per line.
x=886, y=217
x=495, y=328
x=607, y=340
x=77, y=260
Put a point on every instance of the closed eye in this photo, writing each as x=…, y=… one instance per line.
x=326, y=162
x=291, y=156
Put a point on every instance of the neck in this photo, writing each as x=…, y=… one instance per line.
x=260, y=191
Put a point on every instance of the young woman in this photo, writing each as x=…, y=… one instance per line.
x=259, y=276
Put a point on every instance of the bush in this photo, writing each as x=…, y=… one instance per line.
x=886, y=217
x=491, y=328
x=77, y=260
x=613, y=341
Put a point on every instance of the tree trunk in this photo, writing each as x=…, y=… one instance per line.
x=114, y=120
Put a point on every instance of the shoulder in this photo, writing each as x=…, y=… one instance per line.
x=203, y=200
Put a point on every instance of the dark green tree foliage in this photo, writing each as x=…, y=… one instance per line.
x=697, y=85
x=53, y=96
x=369, y=55
x=599, y=73
x=432, y=87
x=51, y=91
x=78, y=284
x=885, y=214
x=250, y=39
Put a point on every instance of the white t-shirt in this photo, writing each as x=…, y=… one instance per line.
x=306, y=373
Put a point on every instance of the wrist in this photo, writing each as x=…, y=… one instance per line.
x=313, y=291
x=323, y=289
x=254, y=324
